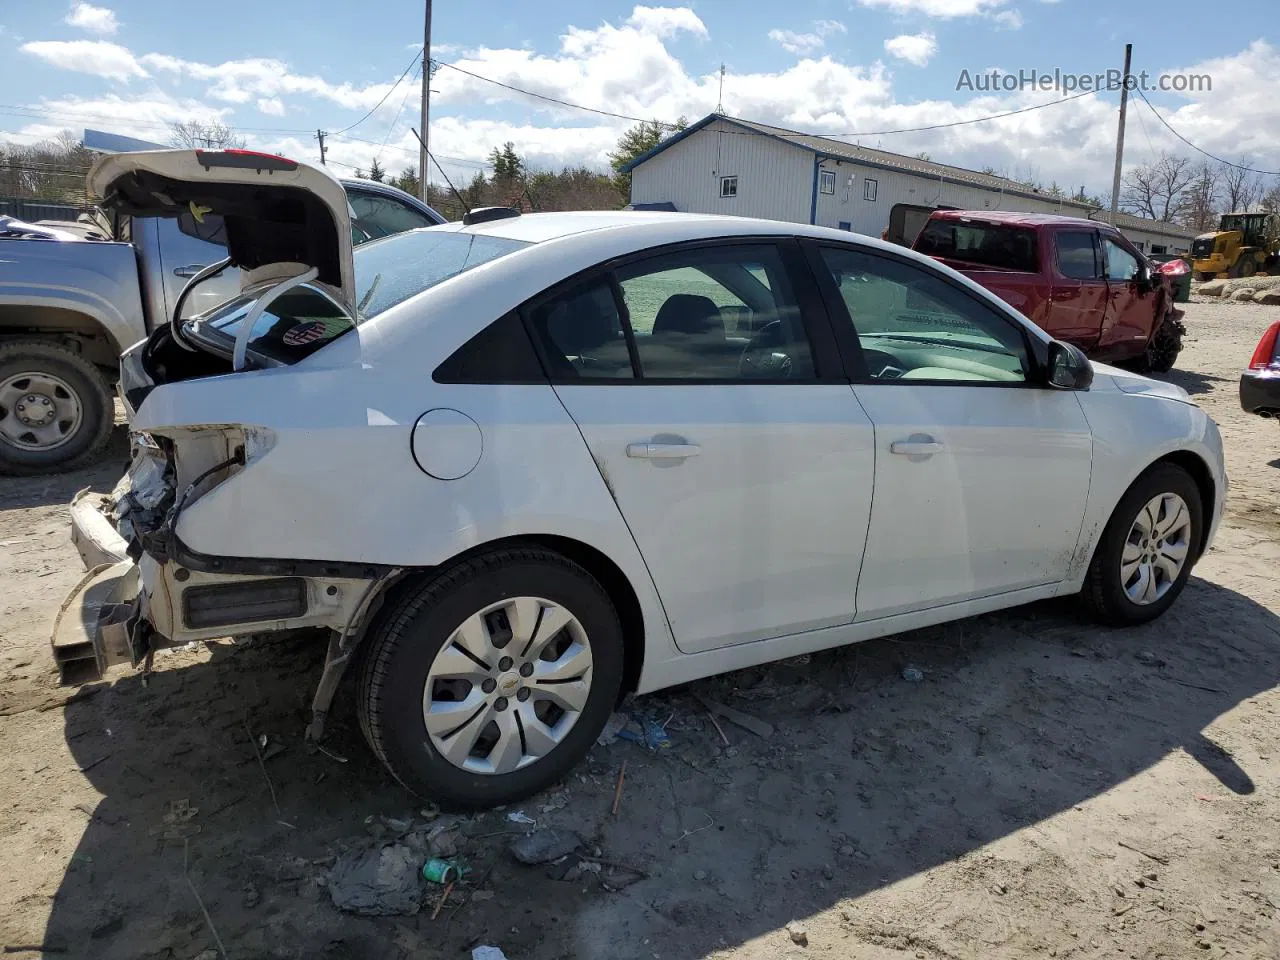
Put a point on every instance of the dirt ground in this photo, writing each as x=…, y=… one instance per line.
x=1049, y=788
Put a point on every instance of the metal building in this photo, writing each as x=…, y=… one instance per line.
x=725, y=165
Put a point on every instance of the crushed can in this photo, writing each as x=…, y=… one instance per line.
x=440, y=871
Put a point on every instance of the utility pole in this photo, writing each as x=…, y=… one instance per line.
x=1124, y=102
x=320, y=135
x=424, y=159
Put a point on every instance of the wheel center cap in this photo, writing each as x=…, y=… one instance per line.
x=35, y=410
x=509, y=683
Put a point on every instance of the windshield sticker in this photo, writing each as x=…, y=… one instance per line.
x=308, y=332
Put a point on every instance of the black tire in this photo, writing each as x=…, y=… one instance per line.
x=1205, y=276
x=92, y=391
x=1103, y=592
x=404, y=642
x=1247, y=267
x=1163, y=348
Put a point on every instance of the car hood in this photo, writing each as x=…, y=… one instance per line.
x=1129, y=382
x=282, y=217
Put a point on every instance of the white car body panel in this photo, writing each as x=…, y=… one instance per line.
x=339, y=481
x=759, y=534
x=997, y=509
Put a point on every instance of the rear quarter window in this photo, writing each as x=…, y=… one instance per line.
x=989, y=244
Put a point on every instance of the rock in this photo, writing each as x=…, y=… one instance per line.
x=377, y=881
x=1152, y=875
x=1270, y=298
x=543, y=846
x=482, y=895
x=999, y=889
x=251, y=896
x=209, y=954
x=1212, y=288
x=1149, y=659
x=846, y=850
x=699, y=875
x=912, y=674
x=798, y=933
x=1244, y=293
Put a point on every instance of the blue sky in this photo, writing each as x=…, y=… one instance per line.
x=278, y=70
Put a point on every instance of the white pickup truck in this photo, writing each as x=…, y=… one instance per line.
x=70, y=307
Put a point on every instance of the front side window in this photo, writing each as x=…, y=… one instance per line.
x=1078, y=255
x=728, y=186
x=1121, y=264
x=914, y=326
x=826, y=182
x=377, y=216
x=724, y=313
x=869, y=189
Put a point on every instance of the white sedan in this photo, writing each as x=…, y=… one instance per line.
x=518, y=467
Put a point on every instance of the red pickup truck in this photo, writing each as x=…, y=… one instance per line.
x=1079, y=280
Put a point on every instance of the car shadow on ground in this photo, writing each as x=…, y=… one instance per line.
x=867, y=779
x=18, y=493
x=1191, y=381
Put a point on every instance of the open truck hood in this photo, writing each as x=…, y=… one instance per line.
x=282, y=217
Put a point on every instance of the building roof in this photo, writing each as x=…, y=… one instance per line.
x=869, y=156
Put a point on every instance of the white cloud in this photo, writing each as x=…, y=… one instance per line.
x=94, y=19
x=942, y=9
x=98, y=57
x=1009, y=19
x=271, y=106
x=917, y=48
x=666, y=21
x=807, y=43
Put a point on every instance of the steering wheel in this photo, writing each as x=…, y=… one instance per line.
x=762, y=358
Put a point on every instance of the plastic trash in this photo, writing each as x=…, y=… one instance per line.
x=484, y=952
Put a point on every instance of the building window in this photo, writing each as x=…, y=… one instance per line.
x=869, y=188
x=827, y=181
x=728, y=186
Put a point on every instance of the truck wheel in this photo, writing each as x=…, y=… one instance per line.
x=1248, y=267
x=1163, y=348
x=1147, y=550
x=489, y=682
x=1205, y=276
x=56, y=408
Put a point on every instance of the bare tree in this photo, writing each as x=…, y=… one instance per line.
x=214, y=135
x=1155, y=190
x=1271, y=199
x=1241, y=188
x=1200, y=203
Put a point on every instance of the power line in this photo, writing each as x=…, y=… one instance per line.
x=416, y=56
x=1266, y=173
x=394, y=120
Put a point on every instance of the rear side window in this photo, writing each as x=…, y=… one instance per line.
x=988, y=244
x=582, y=334
x=1078, y=255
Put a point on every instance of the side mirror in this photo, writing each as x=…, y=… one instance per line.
x=1069, y=368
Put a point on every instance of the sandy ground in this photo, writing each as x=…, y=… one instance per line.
x=1049, y=789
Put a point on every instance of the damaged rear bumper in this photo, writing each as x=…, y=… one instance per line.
x=93, y=533
x=99, y=623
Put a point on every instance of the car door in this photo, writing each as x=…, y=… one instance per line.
x=1078, y=302
x=1131, y=307
x=738, y=457
x=981, y=473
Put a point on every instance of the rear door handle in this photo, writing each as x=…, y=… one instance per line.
x=662, y=451
x=915, y=448
x=190, y=270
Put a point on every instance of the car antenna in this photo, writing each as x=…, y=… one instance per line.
x=465, y=208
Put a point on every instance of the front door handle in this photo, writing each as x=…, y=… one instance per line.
x=915, y=448
x=662, y=451
x=190, y=270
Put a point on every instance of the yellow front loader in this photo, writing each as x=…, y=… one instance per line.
x=1244, y=244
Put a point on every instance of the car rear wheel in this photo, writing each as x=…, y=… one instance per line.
x=489, y=682
x=1163, y=348
x=56, y=409
x=1147, y=549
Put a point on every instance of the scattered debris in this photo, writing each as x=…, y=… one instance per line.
x=617, y=791
x=377, y=881
x=222, y=951
x=699, y=875
x=912, y=674
x=613, y=726
x=484, y=952
x=439, y=870
x=999, y=889
x=519, y=816
x=257, y=752
x=1149, y=856
x=482, y=895
x=647, y=732
x=1149, y=659
x=250, y=895
x=738, y=718
x=716, y=723
x=443, y=897
x=798, y=933
x=543, y=846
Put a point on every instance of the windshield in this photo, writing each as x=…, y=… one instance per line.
x=990, y=244
x=388, y=272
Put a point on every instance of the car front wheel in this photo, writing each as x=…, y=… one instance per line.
x=489, y=682
x=1147, y=549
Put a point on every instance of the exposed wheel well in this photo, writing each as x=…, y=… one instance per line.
x=1199, y=471
x=607, y=572
x=78, y=331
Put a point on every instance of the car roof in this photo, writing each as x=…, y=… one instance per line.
x=1015, y=218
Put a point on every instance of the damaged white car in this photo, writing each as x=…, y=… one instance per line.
x=517, y=467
